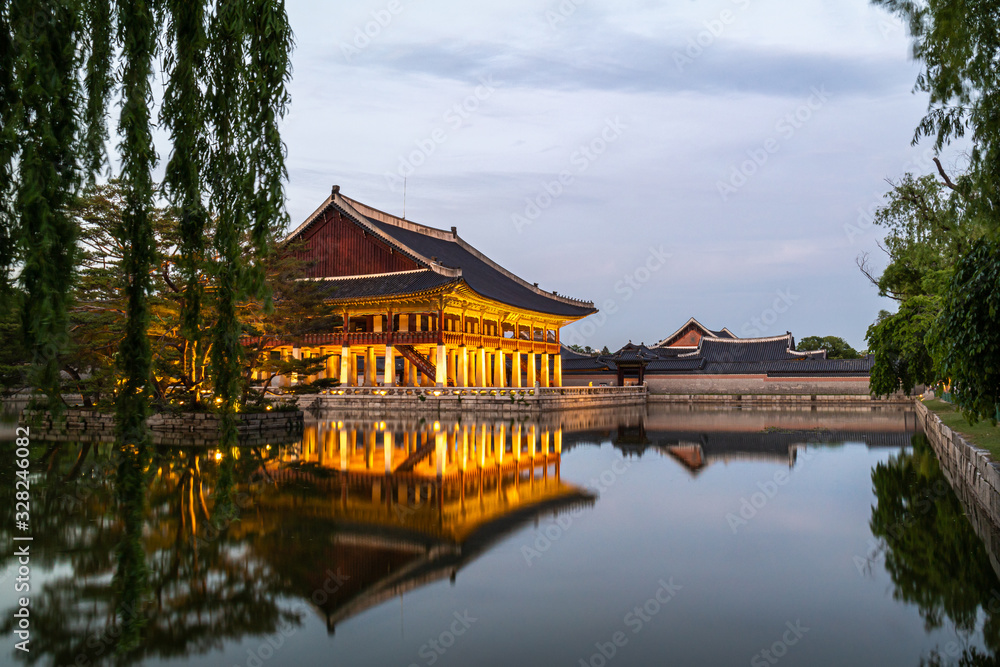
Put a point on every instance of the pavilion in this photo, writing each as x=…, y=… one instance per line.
x=405, y=290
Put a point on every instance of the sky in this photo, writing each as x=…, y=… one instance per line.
x=716, y=159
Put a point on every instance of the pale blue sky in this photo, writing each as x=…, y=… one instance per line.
x=484, y=105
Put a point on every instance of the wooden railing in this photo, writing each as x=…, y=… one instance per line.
x=500, y=343
x=431, y=338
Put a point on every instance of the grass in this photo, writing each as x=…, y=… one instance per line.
x=982, y=434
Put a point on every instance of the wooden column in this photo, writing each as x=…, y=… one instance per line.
x=515, y=369
x=499, y=369
x=545, y=370
x=389, y=371
x=480, y=367
x=531, y=370
x=441, y=367
x=462, y=372
x=557, y=370
x=345, y=367
x=371, y=367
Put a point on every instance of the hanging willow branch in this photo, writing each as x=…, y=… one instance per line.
x=46, y=115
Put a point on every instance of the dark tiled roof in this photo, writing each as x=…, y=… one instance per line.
x=480, y=276
x=745, y=349
x=632, y=353
x=674, y=365
x=722, y=333
x=822, y=365
x=386, y=284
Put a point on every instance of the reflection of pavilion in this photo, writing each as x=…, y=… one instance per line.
x=450, y=493
x=697, y=450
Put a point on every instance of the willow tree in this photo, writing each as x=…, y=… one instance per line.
x=226, y=65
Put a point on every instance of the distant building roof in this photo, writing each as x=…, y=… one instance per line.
x=690, y=333
x=775, y=356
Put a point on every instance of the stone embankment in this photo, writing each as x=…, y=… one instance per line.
x=168, y=429
x=973, y=475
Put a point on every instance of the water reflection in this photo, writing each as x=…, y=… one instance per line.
x=317, y=521
x=932, y=554
x=361, y=511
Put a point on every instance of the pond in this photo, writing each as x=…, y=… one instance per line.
x=640, y=536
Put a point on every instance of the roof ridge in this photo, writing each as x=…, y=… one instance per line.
x=763, y=339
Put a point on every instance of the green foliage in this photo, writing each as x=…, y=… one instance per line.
x=926, y=236
x=898, y=343
x=836, y=347
x=42, y=157
x=966, y=343
x=13, y=355
x=958, y=45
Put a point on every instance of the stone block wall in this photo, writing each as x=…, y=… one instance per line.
x=973, y=475
x=168, y=429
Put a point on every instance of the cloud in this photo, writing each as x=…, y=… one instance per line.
x=625, y=62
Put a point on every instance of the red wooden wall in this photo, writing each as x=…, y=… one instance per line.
x=341, y=248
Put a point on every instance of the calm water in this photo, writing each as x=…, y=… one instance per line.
x=670, y=537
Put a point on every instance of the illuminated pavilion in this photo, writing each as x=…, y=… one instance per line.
x=404, y=290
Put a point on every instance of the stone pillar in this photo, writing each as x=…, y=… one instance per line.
x=531, y=369
x=499, y=369
x=411, y=375
x=480, y=367
x=557, y=371
x=463, y=367
x=545, y=369
x=371, y=367
x=515, y=369
x=389, y=372
x=441, y=367
x=354, y=369
x=345, y=367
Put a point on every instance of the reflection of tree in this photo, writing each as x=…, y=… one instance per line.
x=201, y=585
x=934, y=557
x=969, y=658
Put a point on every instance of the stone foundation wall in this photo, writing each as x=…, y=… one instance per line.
x=733, y=384
x=497, y=402
x=780, y=400
x=974, y=477
x=168, y=429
